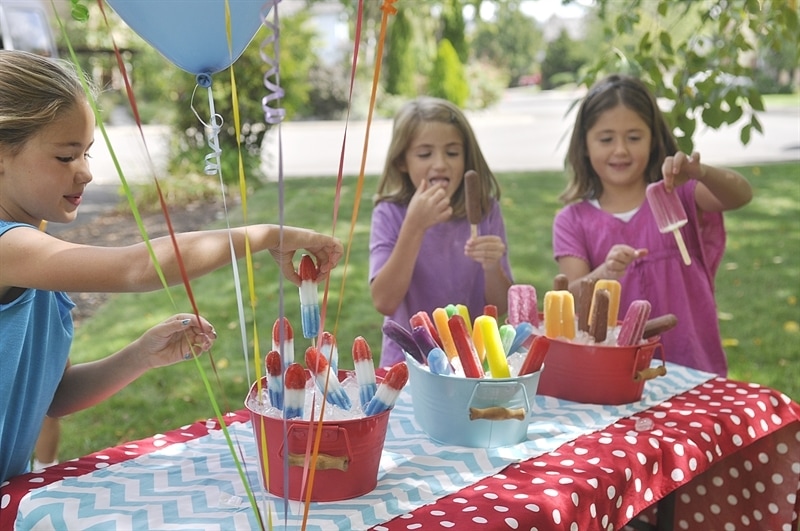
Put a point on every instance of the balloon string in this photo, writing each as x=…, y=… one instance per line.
x=140, y=224
x=340, y=174
x=388, y=9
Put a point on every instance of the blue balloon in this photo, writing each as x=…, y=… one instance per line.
x=191, y=33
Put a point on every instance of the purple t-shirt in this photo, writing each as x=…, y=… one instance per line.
x=442, y=274
x=587, y=232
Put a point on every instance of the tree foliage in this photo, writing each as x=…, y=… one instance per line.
x=701, y=56
x=399, y=63
x=448, y=79
x=510, y=41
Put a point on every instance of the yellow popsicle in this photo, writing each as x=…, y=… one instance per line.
x=559, y=314
x=614, y=288
x=463, y=311
x=493, y=346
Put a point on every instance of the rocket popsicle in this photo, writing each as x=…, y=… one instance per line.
x=388, y=391
x=365, y=370
x=283, y=340
x=294, y=381
x=309, y=297
x=669, y=213
x=323, y=376
x=327, y=347
x=472, y=197
x=275, y=378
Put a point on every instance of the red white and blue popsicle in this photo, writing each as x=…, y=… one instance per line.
x=388, y=391
x=365, y=370
x=327, y=347
x=275, y=379
x=323, y=376
x=283, y=340
x=294, y=381
x=309, y=297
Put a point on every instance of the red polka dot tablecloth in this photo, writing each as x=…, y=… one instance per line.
x=729, y=451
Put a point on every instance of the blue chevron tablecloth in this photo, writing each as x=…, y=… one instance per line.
x=195, y=485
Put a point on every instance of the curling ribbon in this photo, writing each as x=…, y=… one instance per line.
x=143, y=231
x=274, y=91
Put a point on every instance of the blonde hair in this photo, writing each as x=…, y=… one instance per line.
x=605, y=95
x=34, y=92
x=395, y=186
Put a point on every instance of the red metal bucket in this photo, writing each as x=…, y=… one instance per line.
x=597, y=374
x=348, y=457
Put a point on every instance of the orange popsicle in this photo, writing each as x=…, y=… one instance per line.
x=614, y=288
x=559, y=314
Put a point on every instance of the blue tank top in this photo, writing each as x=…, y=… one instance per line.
x=35, y=337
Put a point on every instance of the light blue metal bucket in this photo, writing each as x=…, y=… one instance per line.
x=474, y=412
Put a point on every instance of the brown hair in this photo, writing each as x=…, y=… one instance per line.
x=395, y=185
x=605, y=95
x=34, y=91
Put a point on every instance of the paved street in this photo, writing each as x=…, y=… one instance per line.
x=523, y=132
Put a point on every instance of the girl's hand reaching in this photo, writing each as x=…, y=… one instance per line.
x=486, y=250
x=618, y=259
x=679, y=168
x=174, y=340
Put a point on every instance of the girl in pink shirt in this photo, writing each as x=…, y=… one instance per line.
x=620, y=144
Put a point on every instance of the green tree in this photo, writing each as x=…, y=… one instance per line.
x=510, y=41
x=698, y=55
x=453, y=27
x=562, y=61
x=448, y=79
x=399, y=62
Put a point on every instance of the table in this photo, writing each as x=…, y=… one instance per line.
x=725, y=454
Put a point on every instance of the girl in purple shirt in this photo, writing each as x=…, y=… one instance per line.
x=422, y=256
x=620, y=144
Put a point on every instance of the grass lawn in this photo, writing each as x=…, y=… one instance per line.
x=757, y=291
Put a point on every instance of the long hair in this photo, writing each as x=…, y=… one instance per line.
x=395, y=185
x=34, y=92
x=605, y=95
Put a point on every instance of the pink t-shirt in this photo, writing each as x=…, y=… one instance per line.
x=442, y=274
x=586, y=232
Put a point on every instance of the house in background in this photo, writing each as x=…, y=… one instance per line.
x=25, y=25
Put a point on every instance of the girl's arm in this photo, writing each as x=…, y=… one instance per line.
x=174, y=340
x=612, y=268
x=33, y=259
x=718, y=189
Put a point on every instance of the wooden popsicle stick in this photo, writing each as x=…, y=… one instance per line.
x=682, y=246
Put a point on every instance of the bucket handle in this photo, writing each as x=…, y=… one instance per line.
x=499, y=412
x=650, y=372
x=324, y=461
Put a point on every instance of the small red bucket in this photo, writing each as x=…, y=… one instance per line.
x=598, y=374
x=348, y=457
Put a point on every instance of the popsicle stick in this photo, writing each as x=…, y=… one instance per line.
x=687, y=260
